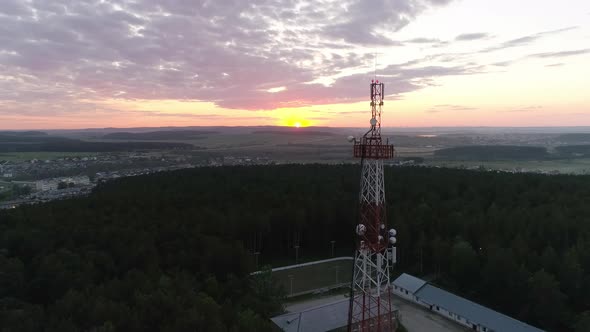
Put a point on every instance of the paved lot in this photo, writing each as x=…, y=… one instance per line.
x=414, y=317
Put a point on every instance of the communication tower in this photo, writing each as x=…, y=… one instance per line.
x=370, y=300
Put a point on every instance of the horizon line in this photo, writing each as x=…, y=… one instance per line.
x=295, y=128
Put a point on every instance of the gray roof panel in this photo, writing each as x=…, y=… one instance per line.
x=323, y=318
x=474, y=312
x=409, y=283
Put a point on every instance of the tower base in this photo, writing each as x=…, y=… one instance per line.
x=370, y=303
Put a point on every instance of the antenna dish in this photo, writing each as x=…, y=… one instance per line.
x=361, y=229
x=350, y=138
x=373, y=122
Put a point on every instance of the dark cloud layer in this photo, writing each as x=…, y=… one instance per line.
x=227, y=52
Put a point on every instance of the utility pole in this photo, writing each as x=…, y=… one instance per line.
x=291, y=282
x=332, y=242
x=256, y=254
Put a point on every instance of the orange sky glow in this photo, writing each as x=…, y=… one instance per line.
x=461, y=63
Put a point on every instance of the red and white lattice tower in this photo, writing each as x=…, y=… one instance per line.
x=370, y=301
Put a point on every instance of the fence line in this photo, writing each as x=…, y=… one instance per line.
x=307, y=264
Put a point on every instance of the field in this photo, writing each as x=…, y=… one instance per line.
x=567, y=166
x=22, y=156
x=309, y=278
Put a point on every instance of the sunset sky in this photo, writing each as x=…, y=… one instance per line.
x=129, y=63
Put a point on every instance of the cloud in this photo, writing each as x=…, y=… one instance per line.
x=368, y=16
x=525, y=109
x=423, y=41
x=13, y=7
x=226, y=52
x=449, y=108
x=546, y=55
x=503, y=63
x=431, y=42
x=471, y=36
x=397, y=78
x=560, y=54
x=525, y=40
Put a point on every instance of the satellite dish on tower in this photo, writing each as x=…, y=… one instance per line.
x=361, y=229
x=350, y=138
x=373, y=122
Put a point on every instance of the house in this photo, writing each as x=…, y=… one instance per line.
x=456, y=308
x=406, y=286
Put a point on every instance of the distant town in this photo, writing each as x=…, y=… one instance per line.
x=27, y=181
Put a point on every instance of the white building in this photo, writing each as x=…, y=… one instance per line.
x=458, y=309
x=406, y=286
x=53, y=184
x=46, y=185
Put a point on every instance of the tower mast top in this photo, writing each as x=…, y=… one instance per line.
x=371, y=146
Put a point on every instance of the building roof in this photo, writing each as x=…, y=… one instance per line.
x=409, y=283
x=322, y=318
x=474, y=312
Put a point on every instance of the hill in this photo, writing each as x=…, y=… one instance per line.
x=294, y=132
x=34, y=142
x=23, y=133
x=163, y=135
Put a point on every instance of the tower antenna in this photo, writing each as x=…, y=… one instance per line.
x=370, y=307
x=375, y=65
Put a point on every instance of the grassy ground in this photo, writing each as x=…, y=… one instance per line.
x=317, y=276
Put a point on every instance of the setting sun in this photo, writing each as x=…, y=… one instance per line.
x=290, y=118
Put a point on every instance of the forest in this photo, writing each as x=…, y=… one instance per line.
x=572, y=151
x=173, y=251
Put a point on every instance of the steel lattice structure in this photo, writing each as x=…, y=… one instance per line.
x=370, y=301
